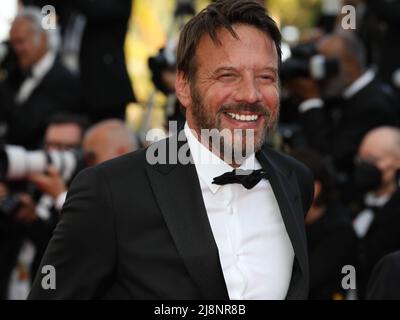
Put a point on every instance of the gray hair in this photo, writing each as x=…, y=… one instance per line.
x=35, y=16
x=354, y=47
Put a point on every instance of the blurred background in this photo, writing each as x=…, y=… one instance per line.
x=152, y=23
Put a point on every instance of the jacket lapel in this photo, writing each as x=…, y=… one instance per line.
x=287, y=193
x=177, y=190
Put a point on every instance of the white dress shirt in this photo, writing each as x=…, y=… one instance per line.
x=364, y=219
x=255, y=251
x=359, y=84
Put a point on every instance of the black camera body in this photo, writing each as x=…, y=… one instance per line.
x=9, y=205
x=305, y=61
x=16, y=163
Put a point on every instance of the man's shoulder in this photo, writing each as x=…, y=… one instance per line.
x=137, y=160
x=286, y=161
x=134, y=160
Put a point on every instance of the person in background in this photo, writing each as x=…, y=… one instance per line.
x=332, y=242
x=377, y=177
x=48, y=87
x=337, y=111
x=385, y=278
x=93, y=37
x=108, y=139
x=64, y=132
x=38, y=212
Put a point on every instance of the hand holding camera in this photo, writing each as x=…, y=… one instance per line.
x=51, y=182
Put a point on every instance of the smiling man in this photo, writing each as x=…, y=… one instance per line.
x=235, y=86
x=214, y=228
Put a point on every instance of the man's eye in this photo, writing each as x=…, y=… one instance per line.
x=227, y=75
x=268, y=78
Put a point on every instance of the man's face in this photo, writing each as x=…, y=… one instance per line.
x=29, y=46
x=381, y=154
x=62, y=137
x=332, y=47
x=236, y=84
x=97, y=147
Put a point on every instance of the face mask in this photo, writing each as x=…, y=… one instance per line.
x=367, y=177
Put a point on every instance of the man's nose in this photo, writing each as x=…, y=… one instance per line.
x=248, y=90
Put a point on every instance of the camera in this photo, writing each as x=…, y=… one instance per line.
x=9, y=205
x=305, y=61
x=16, y=162
x=160, y=63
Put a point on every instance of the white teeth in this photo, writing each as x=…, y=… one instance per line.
x=242, y=117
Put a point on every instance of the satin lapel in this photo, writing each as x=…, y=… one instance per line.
x=177, y=190
x=287, y=193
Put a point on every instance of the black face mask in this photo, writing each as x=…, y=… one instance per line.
x=367, y=177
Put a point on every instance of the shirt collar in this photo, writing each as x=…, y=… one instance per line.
x=372, y=200
x=359, y=84
x=209, y=165
x=43, y=65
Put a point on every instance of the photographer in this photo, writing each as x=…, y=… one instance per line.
x=36, y=205
x=46, y=88
x=377, y=177
x=331, y=240
x=340, y=106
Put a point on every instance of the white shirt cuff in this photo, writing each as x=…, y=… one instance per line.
x=309, y=104
x=60, y=200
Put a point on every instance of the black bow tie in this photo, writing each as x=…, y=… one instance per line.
x=248, y=178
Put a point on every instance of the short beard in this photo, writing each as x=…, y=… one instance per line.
x=233, y=145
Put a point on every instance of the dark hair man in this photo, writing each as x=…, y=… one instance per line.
x=167, y=230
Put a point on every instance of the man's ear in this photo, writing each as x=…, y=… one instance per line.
x=182, y=89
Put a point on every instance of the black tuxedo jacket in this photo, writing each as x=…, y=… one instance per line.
x=338, y=128
x=58, y=91
x=132, y=230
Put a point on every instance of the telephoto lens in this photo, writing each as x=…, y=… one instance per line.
x=16, y=162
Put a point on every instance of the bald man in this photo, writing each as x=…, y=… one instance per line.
x=108, y=139
x=377, y=173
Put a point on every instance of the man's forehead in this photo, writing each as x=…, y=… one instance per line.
x=22, y=24
x=63, y=127
x=226, y=44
